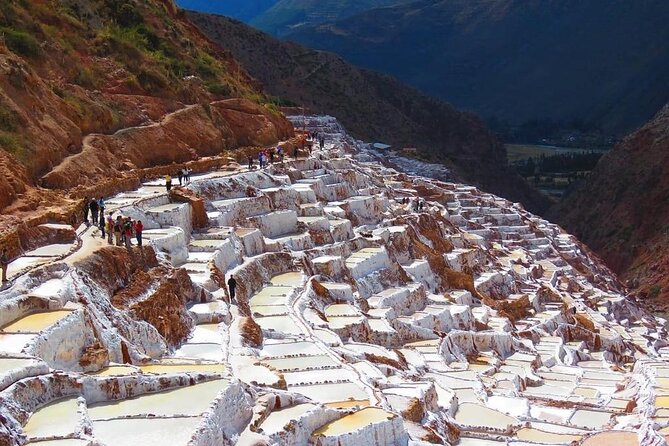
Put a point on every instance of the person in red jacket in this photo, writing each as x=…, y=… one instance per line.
x=139, y=227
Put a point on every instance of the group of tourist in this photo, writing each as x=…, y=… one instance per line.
x=418, y=205
x=119, y=230
x=122, y=229
x=184, y=176
x=96, y=209
x=268, y=156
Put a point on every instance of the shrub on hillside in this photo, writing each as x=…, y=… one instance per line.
x=20, y=42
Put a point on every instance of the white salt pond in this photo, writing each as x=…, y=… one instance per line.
x=184, y=401
x=291, y=279
x=146, y=432
x=315, y=376
x=331, y=393
x=56, y=419
x=14, y=343
x=7, y=364
x=167, y=368
x=301, y=363
x=537, y=436
x=116, y=370
x=205, y=333
x=205, y=351
x=277, y=420
x=290, y=349
x=56, y=250
x=63, y=442
x=590, y=418
x=475, y=415
x=282, y=324
x=48, y=289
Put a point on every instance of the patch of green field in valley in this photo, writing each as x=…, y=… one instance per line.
x=521, y=152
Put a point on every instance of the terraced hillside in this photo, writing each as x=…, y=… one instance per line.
x=373, y=307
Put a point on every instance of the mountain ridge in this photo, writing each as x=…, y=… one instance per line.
x=517, y=61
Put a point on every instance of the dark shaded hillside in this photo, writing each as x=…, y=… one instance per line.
x=240, y=9
x=601, y=61
x=372, y=106
x=622, y=211
x=287, y=16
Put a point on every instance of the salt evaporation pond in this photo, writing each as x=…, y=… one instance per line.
x=277, y=420
x=183, y=368
x=146, y=432
x=185, y=401
x=612, y=439
x=115, y=370
x=353, y=422
x=36, y=322
x=471, y=414
x=301, y=363
x=63, y=442
x=56, y=419
x=331, y=393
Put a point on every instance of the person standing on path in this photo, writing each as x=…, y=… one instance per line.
x=232, y=287
x=4, y=263
x=127, y=229
x=118, y=230
x=101, y=216
x=168, y=182
x=139, y=227
x=249, y=158
x=95, y=209
x=180, y=175
x=87, y=207
x=110, y=228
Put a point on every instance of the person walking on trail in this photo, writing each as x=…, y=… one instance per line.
x=249, y=158
x=321, y=141
x=87, y=208
x=110, y=228
x=139, y=227
x=260, y=159
x=94, y=210
x=118, y=230
x=101, y=216
x=4, y=263
x=180, y=175
x=297, y=151
x=127, y=229
x=232, y=287
x=168, y=182
x=271, y=155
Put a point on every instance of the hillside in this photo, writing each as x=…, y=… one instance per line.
x=623, y=209
x=518, y=60
x=372, y=106
x=92, y=92
x=287, y=16
x=240, y=9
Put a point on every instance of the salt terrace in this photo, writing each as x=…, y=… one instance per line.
x=360, y=319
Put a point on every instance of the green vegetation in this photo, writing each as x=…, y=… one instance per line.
x=20, y=42
x=654, y=291
x=219, y=89
x=9, y=119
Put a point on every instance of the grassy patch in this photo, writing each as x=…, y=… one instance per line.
x=20, y=42
x=9, y=119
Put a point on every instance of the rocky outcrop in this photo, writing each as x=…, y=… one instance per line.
x=619, y=211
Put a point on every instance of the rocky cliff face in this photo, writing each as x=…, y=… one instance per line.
x=372, y=106
x=92, y=90
x=622, y=211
